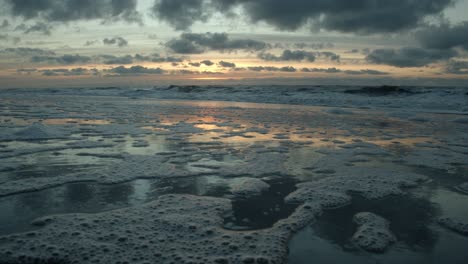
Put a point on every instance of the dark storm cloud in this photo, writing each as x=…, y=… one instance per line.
x=119, y=41
x=65, y=59
x=299, y=55
x=444, y=36
x=457, y=67
x=72, y=10
x=409, y=57
x=191, y=43
x=180, y=13
x=226, y=64
x=136, y=70
x=365, y=16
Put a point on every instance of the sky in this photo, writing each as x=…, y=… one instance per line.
x=145, y=43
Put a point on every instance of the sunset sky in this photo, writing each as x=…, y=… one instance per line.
x=133, y=43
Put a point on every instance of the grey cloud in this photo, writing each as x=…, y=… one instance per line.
x=409, y=57
x=457, y=67
x=444, y=36
x=192, y=43
x=188, y=72
x=26, y=71
x=136, y=70
x=110, y=59
x=14, y=40
x=69, y=72
x=153, y=36
x=288, y=55
x=226, y=64
x=65, y=59
x=316, y=46
x=195, y=64
x=72, y=10
x=323, y=70
x=207, y=62
x=49, y=73
x=363, y=16
x=180, y=13
x=329, y=55
x=183, y=46
x=350, y=72
x=5, y=24
x=367, y=71
x=39, y=27
x=129, y=59
x=119, y=41
x=272, y=69
x=90, y=43
x=27, y=52
x=299, y=55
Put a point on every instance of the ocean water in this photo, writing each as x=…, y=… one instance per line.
x=294, y=165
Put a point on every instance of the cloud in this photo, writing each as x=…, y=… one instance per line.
x=315, y=46
x=409, y=57
x=272, y=69
x=72, y=10
x=135, y=70
x=195, y=64
x=299, y=55
x=90, y=42
x=129, y=59
x=180, y=13
x=288, y=55
x=363, y=16
x=65, y=59
x=39, y=27
x=119, y=41
x=14, y=40
x=226, y=64
x=207, y=62
x=27, y=52
x=322, y=70
x=193, y=43
x=457, y=67
x=26, y=70
x=69, y=72
x=349, y=72
x=367, y=71
x=329, y=55
x=110, y=59
x=444, y=36
x=5, y=24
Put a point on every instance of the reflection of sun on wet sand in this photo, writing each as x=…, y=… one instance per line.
x=247, y=179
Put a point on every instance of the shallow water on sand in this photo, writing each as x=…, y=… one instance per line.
x=106, y=153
